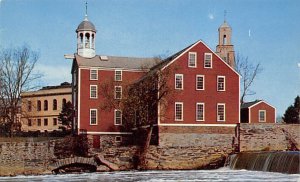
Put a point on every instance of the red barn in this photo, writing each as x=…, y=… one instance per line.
x=206, y=88
x=258, y=111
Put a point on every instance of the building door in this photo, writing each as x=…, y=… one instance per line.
x=96, y=141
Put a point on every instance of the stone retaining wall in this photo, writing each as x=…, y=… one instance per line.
x=179, y=148
x=25, y=157
x=264, y=136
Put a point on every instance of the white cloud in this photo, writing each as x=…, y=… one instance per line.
x=211, y=16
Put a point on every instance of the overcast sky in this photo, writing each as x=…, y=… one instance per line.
x=265, y=31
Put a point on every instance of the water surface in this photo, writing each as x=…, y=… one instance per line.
x=223, y=174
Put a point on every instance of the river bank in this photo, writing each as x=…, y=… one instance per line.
x=179, y=148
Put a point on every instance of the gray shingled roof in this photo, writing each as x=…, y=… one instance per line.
x=86, y=25
x=117, y=62
x=249, y=104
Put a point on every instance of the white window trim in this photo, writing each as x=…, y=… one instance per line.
x=265, y=114
x=116, y=92
x=96, y=116
x=181, y=82
x=181, y=103
x=115, y=117
x=195, y=53
x=211, y=63
x=91, y=74
x=116, y=75
x=91, y=92
x=224, y=83
x=221, y=104
x=203, y=82
x=200, y=103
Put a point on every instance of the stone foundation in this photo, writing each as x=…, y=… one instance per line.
x=264, y=136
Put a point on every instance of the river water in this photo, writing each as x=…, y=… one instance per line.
x=223, y=174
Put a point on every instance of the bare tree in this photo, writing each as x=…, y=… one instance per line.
x=16, y=76
x=248, y=72
x=140, y=102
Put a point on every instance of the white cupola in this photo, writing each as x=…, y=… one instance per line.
x=86, y=36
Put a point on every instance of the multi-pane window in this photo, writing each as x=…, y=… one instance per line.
x=118, y=117
x=200, y=82
x=118, y=92
x=179, y=81
x=178, y=111
x=29, y=106
x=39, y=105
x=45, y=122
x=207, y=60
x=200, y=112
x=54, y=104
x=45, y=105
x=192, y=59
x=262, y=115
x=29, y=122
x=93, y=74
x=64, y=102
x=39, y=122
x=221, y=112
x=118, y=75
x=221, y=83
x=93, y=91
x=54, y=121
x=93, y=116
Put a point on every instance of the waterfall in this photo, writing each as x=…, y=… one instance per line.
x=281, y=161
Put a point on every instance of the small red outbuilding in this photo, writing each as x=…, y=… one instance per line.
x=258, y=111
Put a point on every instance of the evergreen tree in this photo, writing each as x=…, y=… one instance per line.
x=291, y=115
x=66, y=115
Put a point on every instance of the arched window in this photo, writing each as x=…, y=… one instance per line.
x=224, y=40
x=81, y=40
x=39, y=105
x=54, y=104
x=29, y=106
x=45, y=105
x=93, y=41
x=64, y=102
x=87, y=40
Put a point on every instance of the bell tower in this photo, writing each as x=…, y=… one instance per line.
x=86, y=36
x=225, y=49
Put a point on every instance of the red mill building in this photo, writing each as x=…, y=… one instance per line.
x=206, y=87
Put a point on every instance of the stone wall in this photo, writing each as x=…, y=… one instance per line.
x=179, y=148
x=25, y=157
x=264, y=136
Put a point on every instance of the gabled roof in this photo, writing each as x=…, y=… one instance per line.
x=166, y=62
x=253, y=103
x=116, y=62
x=249, y=104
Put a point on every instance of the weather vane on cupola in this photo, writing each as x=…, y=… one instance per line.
x=86, y=12
x=225, y=13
